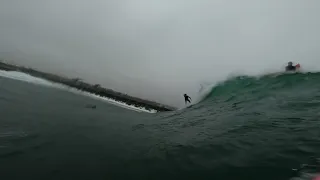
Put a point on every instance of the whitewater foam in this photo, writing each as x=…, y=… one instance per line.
x=34, y=80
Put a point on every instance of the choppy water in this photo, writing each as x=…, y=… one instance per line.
x=246, y=128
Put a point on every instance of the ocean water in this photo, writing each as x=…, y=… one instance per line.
x=246, y=128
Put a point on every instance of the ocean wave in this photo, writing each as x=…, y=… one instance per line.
x=240, y=85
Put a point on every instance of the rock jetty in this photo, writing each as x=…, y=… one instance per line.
x=94, y=89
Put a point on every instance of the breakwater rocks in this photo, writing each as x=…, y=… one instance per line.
x=94, y=89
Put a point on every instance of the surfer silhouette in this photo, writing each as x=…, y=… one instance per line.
x=187, y=98
x=290, y=67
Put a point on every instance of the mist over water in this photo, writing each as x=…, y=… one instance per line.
x=159, y=49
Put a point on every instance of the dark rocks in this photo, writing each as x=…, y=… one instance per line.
x=94, y=89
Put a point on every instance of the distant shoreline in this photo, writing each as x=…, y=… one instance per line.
x=86, y=87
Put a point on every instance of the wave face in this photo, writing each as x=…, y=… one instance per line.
x=275, y=90
x=258, y=125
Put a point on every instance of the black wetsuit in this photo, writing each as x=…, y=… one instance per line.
x=186, y=99
x=290, y=68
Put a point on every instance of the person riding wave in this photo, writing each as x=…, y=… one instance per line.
x=187, y=98
x=290, y=67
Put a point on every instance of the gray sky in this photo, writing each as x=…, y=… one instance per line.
x=159, y=49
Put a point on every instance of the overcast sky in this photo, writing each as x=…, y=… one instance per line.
x=159, y=49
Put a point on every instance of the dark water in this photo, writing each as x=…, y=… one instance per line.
x=247, y=128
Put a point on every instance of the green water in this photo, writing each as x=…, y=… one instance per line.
x=246, y=128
